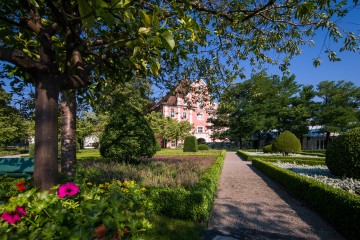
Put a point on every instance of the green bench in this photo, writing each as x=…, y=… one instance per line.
x=17, y=167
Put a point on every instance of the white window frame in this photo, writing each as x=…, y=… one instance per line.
x=202, y=129
x=184, y=115
x=200, y=118
x=172, y=113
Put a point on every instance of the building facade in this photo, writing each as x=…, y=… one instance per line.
x=189, y=102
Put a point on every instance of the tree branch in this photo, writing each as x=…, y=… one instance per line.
x=21, y=60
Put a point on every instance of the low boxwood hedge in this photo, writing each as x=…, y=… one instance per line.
x=339, y=207
x=194, y=204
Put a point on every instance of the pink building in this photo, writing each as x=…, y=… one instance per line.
x=189, y=102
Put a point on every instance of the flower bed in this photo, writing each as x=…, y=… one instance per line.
x=116, y=210
x=322, y=174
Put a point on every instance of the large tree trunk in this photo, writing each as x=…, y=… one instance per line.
x=68, y=132
x=46, y=133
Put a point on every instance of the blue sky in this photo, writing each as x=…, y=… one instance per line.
x=347, y=69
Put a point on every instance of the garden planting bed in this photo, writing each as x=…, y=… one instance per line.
x=322, y=174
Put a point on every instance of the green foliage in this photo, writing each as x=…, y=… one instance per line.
x=12, y=125
x=267, y=149
x=127, y=136
x=165, y=228
x=190, y=144
x=203, y=147
x=286, y=143
x=342, y=209
x=114, y=207
x=8, y=187
x=158, y=146
x=31, y=150
x=343, y=154
x=195, y=204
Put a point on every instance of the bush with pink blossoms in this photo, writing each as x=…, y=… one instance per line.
x=77, y=211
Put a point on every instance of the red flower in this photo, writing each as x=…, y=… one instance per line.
x=68, y=189
x=126, y=231
x=21, y=210
x=21, y=188
x=20, y=184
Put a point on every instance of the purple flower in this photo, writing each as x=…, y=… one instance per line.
x=67, y=189
x=11, y=217
x=21, y=210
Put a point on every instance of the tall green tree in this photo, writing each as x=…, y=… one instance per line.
x=69, y=44
x=12, y=125
x=339, y=106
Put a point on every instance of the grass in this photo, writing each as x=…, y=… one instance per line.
x=165, y=228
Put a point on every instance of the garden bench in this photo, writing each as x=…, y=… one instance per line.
x=17, y=167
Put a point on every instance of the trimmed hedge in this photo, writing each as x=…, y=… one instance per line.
x=339, y=207
x=267, y=149
x=244, y=155
x=203, y=147
x=190, y=144
x=286, y=143
x=194, y=204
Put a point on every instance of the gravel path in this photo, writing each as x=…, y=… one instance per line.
x=249, y=205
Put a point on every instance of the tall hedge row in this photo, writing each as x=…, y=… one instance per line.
x=339, y=207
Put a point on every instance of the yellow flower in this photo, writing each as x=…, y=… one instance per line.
x=89, y=183
x=132, y=182
x=143, y=189
x=107, y=184
x=119, y=183
x=101, y=185
x=125, y=190
x=102, y=190
x=126, y=183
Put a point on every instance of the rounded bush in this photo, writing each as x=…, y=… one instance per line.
x=343, y=154
x=267, y=149
x=203, y=147
x=190, y=144
x=127, y=136
x=286, y=143
x=158, y=146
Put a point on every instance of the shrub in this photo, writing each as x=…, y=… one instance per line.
x=32, y=150
x=127, y=136
x=158, y=146
x=267, y=149
x=190, y=144
x=286, y=143
x=343, y=154
x=342, y=208
x=78, y=211
x=203, y=147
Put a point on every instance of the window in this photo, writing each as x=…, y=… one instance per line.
x=173, y=143
x=200, y=117
x=184, y=114
x=172, y=113
x=200, y=129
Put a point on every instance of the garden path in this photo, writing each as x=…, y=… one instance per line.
x=249, y=205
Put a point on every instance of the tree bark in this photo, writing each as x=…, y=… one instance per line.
x=46, y=132
x=327, y=140
x=68, y=132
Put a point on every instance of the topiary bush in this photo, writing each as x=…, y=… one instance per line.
x=286, y=143
x=127, y=136
x=343, y=154
x=190, y=144
x=203, y=147
x=158, y=146
x=267, y=149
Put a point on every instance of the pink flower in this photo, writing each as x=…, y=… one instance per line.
x=11, y=217
x=67, y=189
x=21, y=210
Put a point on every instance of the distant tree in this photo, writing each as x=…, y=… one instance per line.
x=339, y=106
x=177, y=130
x=13, y=126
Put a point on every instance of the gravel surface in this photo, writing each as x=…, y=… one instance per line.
x=249, y=205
